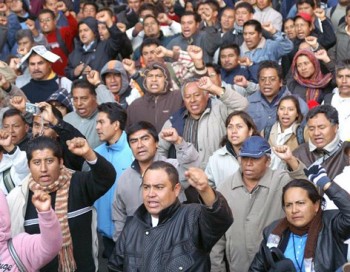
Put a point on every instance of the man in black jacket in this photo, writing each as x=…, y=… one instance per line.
x=165, y=235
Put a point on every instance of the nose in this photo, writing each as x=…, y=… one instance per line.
x=294, y=208
x=317, y=131
x=139, y=143
x=151, y=192
x=250, y=161
x=43, y=167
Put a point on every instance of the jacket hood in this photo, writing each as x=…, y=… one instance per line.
x=115, y=66
x=5, y=222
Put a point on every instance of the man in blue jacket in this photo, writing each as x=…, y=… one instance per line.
x=110, y=126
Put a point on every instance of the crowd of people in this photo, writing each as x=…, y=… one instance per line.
x=175, y=135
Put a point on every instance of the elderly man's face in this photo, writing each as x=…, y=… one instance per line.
x=158, y=192
x=254, y=169
x=321, y=130
x=195, y=100
x=44, y=166
x=84, y=102
x=39, y=68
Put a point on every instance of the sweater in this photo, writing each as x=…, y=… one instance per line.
x=33, y=250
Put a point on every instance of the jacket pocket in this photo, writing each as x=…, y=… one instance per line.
x=179, y=258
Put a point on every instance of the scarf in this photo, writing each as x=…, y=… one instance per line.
x=317, y=80
x=61, y=187
x=312, y=229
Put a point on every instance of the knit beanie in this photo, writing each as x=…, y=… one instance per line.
x=92, y=24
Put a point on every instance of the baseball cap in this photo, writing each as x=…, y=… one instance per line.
x=255, y=147
x=305, y=16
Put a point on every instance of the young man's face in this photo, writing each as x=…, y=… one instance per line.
x=89, y=11
x=242, y=15
x=151, y=27
x=228, y=58
x=107, y=131
x=44, y=166
x=47, y=22
x=114, y=83
x=227, y=20
x=158, y=192
x=51, y=5
x=189, y=25
x=149, y=54
x=251, y=37
x=305, y=8
x=155, y=81
x=143, y=146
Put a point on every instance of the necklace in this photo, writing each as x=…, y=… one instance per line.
x=300, y=266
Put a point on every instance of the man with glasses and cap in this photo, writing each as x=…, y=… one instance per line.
x=258, y=189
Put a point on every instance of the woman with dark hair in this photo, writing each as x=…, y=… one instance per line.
x=287, y=130
x=308, y=238
x=307, y=79
x=224, y=161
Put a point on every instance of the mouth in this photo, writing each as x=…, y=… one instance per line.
x=152, y=204
x=44, y=178
x=81, y=111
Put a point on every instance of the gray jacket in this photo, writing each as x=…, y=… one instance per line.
x=128, y=195
x=211, y=127
x=255, y=211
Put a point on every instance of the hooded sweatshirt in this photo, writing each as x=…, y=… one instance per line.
x=126, y=94
x=33, y=250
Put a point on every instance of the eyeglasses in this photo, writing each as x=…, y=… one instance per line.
x=47, y=20
x=271, y=79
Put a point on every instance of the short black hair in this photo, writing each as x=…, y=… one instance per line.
x=245, y=5
x=215, y=66
x=91, y=4
x=148, y=42
x=114, y=112
x=171, y=171
x=272, y=65
x=213, y=4
x=148, y=6
x=140, y=126
x=197, y=18
x=49, y=11
x=329, y=111
x=41, y=143
x=84, y=84
x=233, y=46
x=150, y=16
x=13, y=112
x=256, y=24
x=310, y=2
